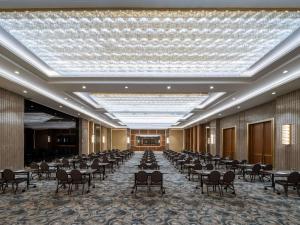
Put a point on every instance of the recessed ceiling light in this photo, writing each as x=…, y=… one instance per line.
x=60, y=106
x=233, y=99
x=168, y=87
x=220, y=114
x=285, y=71
x=238, y=107
x=273, y=93
x=17, y=72
x=83, y=87
x=78, y=114
x=126, y=87
x=65, y=98
x=25, y=92
x=211, y=87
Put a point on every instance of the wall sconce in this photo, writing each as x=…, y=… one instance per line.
x=168, y=141
x=128, y=140
x=103, y=139
x=208, y=141
x=93, y=139
x=286, y=134
x=212, y=139
x=49, y=139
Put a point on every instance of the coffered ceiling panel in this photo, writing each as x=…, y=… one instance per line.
x=202, y=43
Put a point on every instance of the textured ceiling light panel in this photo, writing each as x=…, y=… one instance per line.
x=151, y=42
x=149, y=110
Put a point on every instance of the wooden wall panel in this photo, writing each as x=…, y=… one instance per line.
x=288, y=112
x=91, y=133
x=135, y=132
x=229, y=143
x=176, y=140
x=241, y=121
x=84, y=136
x=11, y=130
x=104, y=138
x=119, y=139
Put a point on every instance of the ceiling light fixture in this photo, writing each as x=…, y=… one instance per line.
x=238, y=107
x=285, y=71
x=126, y=87
x=183, y=53
x=83, y=87
x=17, y=72
x=274, y=93
x=25, y=92
x=168, y=87
x=60, y=106
x=51, y=95
x=211, y=87
x=65, y=98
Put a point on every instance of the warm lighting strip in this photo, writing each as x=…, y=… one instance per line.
x=148, y=109
x=249, y=95
x=49, y=94
x=208, y=43
x=286, y=134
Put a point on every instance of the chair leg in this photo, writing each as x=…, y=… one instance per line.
x=207, y=189
x=220, y=190
x=286, y=190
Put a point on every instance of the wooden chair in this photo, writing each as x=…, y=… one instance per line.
x=141, y=179
x=9, y=177
x=77, y=179
x=62, y=180
x=254, y=172
x=291, y=181
x=156, y=179
x=213, y=180
x=228, y=181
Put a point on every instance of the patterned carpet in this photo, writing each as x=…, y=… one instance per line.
x=111, y=202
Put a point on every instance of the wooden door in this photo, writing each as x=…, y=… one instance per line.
x=229, y=142
x=260, y=143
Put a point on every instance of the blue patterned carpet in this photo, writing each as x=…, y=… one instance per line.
x=111, y=202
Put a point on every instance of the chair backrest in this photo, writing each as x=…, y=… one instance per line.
x=44, y=166
x=141, y=177
x=156, y=177
x=83, y=165
x=235, y=162
x=228, y=177
x=198, y=166
x=65, y=161
x=96, y=161
x=209, y=166
x=244, y=161
x=214, y=177
x=61, y=175
x=197, y=161
x=8, y=175
x=268, y=167
x=95, y=165
x=293, y=178
x=34, y=166
x=76, y=175
x=256, y=168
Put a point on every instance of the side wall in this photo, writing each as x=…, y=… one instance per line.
x=11, y=130
x=176, y=140
x=119, y=139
